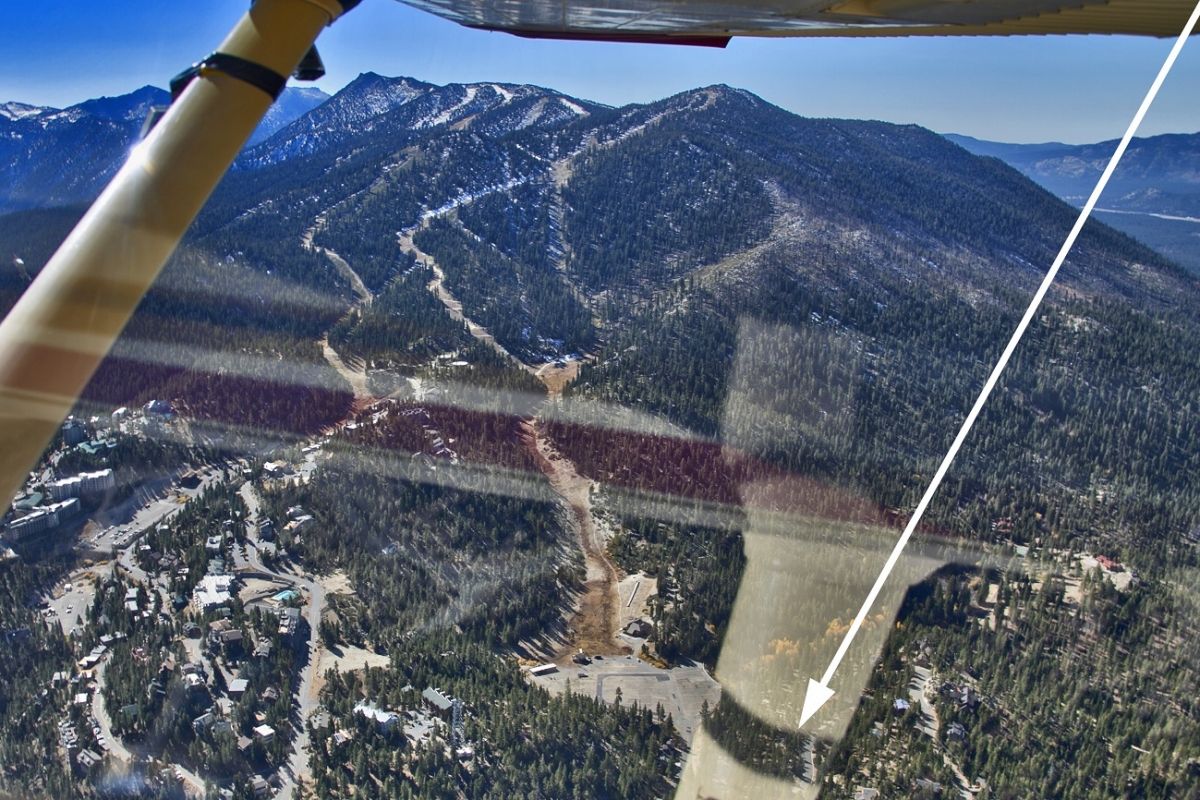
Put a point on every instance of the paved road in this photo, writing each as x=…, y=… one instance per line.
x=115, y=747
x=194, y=785
x=144, y=519
x=127, y=565
x=306, y=694
x=918, y=691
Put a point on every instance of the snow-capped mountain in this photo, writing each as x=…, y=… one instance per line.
x=15, y=111
x=294, y=103
x=372, y=104
x=131, y=108
x=54, y=157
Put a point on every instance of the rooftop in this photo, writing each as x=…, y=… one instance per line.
x=385, y=718
x=213, y=590
x=437, y=699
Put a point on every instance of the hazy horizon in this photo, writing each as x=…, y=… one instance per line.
x=1074, y=89
x=332, y=92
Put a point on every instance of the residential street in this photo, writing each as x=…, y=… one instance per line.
x=306, y=695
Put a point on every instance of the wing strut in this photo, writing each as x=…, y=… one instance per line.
x=66, y=322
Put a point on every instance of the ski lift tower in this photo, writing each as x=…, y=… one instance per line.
x=456, y=723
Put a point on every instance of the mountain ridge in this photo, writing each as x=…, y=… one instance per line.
x=1165, y=164
x=64, y=156
x=1154, y=195
x=372, y=100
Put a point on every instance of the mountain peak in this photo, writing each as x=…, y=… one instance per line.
x=131, y=107
x=13, y=110
x=709, y=96
x=294, y=103
x=310, y=92
x=378, y=94
x=372, y=79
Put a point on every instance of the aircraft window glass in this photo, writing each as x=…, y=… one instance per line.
x=485, y=440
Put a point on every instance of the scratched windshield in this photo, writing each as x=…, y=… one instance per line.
x=496, y=431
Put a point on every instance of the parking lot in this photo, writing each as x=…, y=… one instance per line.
x=152, y=503
x=70, y=600
x=682, y=691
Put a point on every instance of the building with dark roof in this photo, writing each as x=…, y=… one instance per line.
x=437, y=700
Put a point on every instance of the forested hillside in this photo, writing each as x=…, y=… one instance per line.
x=769, y=315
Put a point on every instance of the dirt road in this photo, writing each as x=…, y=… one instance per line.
x=354, y=374
x=595, y=622
x=437, y=287
x=555, y=378
x=357, y=378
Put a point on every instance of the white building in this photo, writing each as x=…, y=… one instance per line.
x=83, y=483
x=212, y=591
x=275, y=469
x=298, y=524
x=438, y=700
x=42, y=519
x=386, y=720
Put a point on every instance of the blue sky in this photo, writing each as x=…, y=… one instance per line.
x=1074, y=89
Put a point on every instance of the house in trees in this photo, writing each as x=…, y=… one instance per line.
x=386, y=721
x=439, y=702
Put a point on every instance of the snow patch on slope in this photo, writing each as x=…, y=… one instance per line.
x=15, y=111
x=383, y=97
x=447, y=114
x=575, y=108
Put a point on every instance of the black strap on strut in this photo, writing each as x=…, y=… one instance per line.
x=258, y=76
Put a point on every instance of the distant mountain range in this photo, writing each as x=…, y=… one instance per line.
x=549, y=168
x=1154, y=195
x=52, y=156
x=652, y=239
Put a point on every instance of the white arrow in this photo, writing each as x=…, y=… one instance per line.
x=814, y=698
x=818, y=694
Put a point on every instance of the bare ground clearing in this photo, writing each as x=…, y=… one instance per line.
x=595, y=623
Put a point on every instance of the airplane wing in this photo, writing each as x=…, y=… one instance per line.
x=713, y=22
